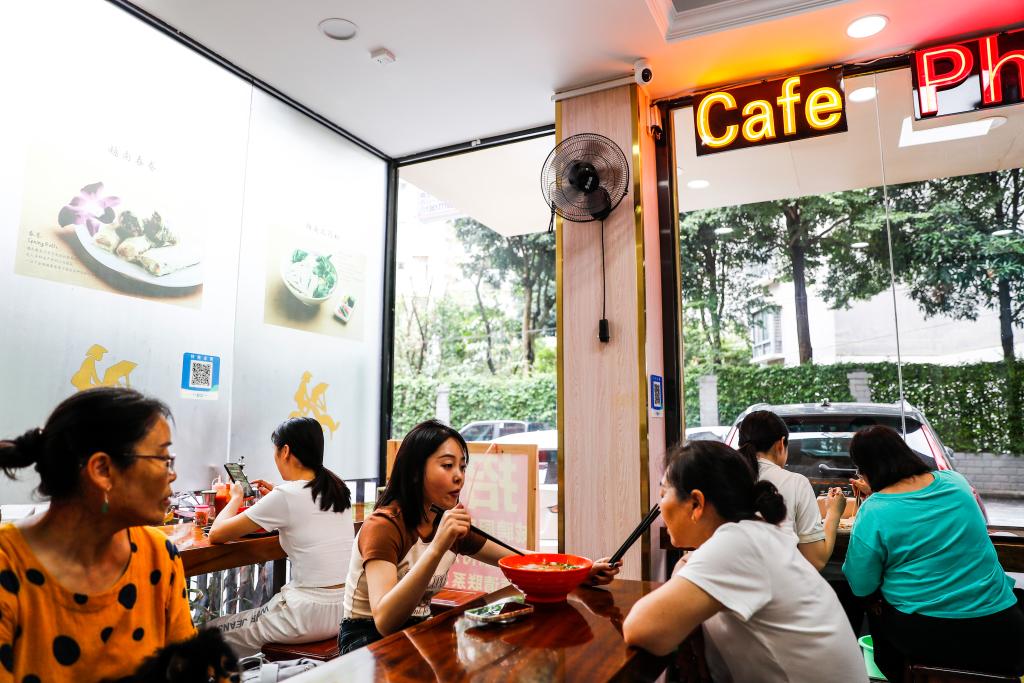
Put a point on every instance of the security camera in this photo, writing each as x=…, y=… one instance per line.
x=642, y=72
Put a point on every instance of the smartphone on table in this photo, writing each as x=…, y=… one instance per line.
x=501, y=612
x=234, y=471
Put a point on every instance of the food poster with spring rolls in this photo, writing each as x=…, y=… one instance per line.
x=132, y=153
x=98, y=220
x=316, y=279
x=500, y=492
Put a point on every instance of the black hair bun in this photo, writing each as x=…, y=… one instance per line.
x=25, y=450
x=769, y=502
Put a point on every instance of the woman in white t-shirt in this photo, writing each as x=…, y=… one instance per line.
x=764, y=439
x=768, y=616
x=312, y=512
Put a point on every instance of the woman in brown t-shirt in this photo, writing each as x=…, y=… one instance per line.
x=402, y=552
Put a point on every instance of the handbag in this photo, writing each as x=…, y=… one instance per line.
x=256, y=669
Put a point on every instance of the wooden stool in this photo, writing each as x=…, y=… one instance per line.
x=322, y=650
x=918, y=673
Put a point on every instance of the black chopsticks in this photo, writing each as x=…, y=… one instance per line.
x=645, y=523
x=440, y=511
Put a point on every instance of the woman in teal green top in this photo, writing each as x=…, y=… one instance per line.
x=921, y=542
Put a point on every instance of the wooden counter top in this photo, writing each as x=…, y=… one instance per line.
x=201, y=557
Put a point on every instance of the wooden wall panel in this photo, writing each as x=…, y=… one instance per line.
x=601, y=384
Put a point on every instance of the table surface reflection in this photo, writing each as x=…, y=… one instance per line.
x=578, y=640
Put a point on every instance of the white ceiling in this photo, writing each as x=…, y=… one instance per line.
x=468, y=69
x=499, y=186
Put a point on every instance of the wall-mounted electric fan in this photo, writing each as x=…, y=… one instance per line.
x=583, y=179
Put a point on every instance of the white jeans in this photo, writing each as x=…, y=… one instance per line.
x=295, y=615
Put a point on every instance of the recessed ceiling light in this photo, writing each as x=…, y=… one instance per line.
x=862, y=94
x=866, y=26
x=338, y=29
x=1000, y=233
x=698, y=184
x=859, y=245
x=723, y=231
x=954, y=131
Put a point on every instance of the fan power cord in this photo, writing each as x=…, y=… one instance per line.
x=603, y=334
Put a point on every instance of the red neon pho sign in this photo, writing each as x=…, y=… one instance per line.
x=975, y=74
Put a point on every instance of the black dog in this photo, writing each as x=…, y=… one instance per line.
x=206, y=658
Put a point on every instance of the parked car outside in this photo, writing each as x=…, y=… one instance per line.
x=820, y=435
x=547, y=451
x=489, y=430
x=707, y=433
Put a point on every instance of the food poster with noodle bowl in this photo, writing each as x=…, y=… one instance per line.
x=316, y=279
x=500, y=493
x=128, y=186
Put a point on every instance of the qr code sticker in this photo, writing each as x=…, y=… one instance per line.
x=201, y=375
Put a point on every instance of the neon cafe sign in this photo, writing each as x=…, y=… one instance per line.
x=970, y=75
x=770, y=112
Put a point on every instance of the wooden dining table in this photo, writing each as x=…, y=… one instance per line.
x=577, y=640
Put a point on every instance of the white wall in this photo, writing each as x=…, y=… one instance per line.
x=217, y=160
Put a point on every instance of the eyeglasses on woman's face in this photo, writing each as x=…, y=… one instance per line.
x=168, y=459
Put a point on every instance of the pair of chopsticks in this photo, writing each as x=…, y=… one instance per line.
x=645, y=523
x=437, y=520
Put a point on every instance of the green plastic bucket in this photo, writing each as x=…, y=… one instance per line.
x=868, y=648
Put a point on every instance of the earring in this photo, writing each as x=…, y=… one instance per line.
x=105, y=508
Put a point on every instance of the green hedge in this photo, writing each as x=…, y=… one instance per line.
x=967, y=404
x=475, y=398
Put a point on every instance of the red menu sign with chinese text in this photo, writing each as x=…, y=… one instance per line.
x=501, y=495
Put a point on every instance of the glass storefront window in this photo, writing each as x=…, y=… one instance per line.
x=475, y=342
x=881, y=269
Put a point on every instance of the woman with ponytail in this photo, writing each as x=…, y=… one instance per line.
x=312, y=512
x=88, y=589
x=767, y=614
x=764, y=440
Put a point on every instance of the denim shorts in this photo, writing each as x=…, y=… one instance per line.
x=357, y=633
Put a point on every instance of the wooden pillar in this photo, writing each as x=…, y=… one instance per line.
x=610, y=446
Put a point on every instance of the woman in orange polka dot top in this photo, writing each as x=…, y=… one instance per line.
x=87, y=590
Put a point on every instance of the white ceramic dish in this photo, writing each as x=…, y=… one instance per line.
x=184, y=278
x=286, y=262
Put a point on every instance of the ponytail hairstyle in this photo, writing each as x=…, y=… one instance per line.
x=305, y=440
x=726, y=479
x=107, y=420
x=405, y=487
x=759, y=431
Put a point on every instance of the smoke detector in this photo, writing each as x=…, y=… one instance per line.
x=382, y=55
